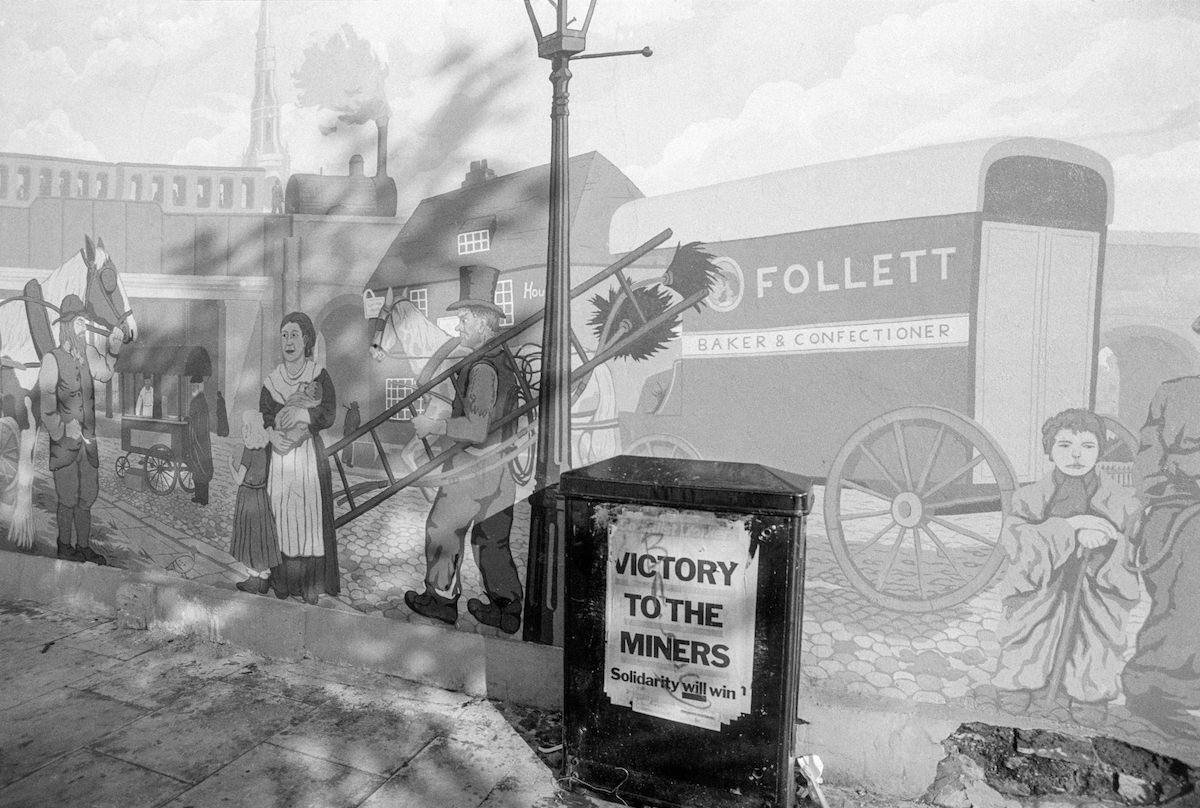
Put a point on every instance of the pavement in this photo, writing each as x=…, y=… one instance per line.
x=94, y=715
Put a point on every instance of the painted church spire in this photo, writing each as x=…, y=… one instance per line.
x=266, y=149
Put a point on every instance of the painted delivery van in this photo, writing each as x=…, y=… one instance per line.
x=898, y=327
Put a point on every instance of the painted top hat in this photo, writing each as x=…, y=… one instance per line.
x=72, y=307
x=477, y=288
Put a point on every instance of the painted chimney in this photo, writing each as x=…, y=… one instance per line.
x=478, y=174
x=381, y=148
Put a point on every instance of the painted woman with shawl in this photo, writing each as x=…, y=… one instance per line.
x=299, y=485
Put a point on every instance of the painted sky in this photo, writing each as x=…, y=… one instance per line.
x=735, y=87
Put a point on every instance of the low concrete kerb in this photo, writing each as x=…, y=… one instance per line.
x=509, y=670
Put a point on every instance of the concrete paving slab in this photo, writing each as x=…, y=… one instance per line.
x=449, y=774
x=481, y=723
x=164, y=674
x=21, y=635
x=30, y=675
x=357, y=685
x=15, y=617
x=201, y=732
x=275, y=678
x=368, y=737
x=54, y=724
x=319, y=683
x=270, y=777
x=100, y=639
x=88, y=778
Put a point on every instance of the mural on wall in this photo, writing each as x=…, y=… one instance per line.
x=50, y=375
x=903, y=273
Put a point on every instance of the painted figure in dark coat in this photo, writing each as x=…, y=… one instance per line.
x=352, y=421
x=197, y=445
x=222, y=417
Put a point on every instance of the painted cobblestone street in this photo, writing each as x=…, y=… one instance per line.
x=851, y=645
x=381, y=553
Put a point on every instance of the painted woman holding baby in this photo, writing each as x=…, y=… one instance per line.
x=297, y=402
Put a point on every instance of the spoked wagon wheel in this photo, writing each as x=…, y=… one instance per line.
x=662, y=446
x=160, y=469
x=122, y=465
x=914, y=504
x=10, y=451
x=186, y=481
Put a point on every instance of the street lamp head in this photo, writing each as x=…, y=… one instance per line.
x=558, y=33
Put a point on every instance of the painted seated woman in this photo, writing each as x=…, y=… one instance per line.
x=299, y=485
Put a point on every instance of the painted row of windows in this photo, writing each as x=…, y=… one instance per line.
x=228, y=192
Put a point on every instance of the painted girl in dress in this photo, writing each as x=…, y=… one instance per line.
x=299, y=485
x=255, y=543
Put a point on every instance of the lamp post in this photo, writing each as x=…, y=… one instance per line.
x=557, y=40
x=554, y=394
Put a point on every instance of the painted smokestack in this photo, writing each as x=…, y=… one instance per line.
x=381, y=148
x=385, y=186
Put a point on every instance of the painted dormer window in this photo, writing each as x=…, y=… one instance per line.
x=474, y=241
x=475, y=235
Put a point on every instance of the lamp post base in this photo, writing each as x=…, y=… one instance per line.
x=543, y=619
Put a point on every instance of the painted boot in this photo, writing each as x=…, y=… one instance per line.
x=67, y=552
x=432, y=605
x=88, y=554
x=504, y=615
x=253, y=585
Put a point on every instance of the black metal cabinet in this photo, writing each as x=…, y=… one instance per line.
x=684, y=597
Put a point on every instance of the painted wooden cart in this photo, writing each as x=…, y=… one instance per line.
x=154, y=426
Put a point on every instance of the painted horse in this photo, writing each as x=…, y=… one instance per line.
x=404, y=332
x=26, y=335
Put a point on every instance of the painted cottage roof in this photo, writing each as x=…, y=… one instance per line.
x=514, y=209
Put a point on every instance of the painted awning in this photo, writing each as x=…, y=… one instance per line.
x=165, y=360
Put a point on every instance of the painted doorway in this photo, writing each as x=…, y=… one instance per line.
x=1035, y=333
